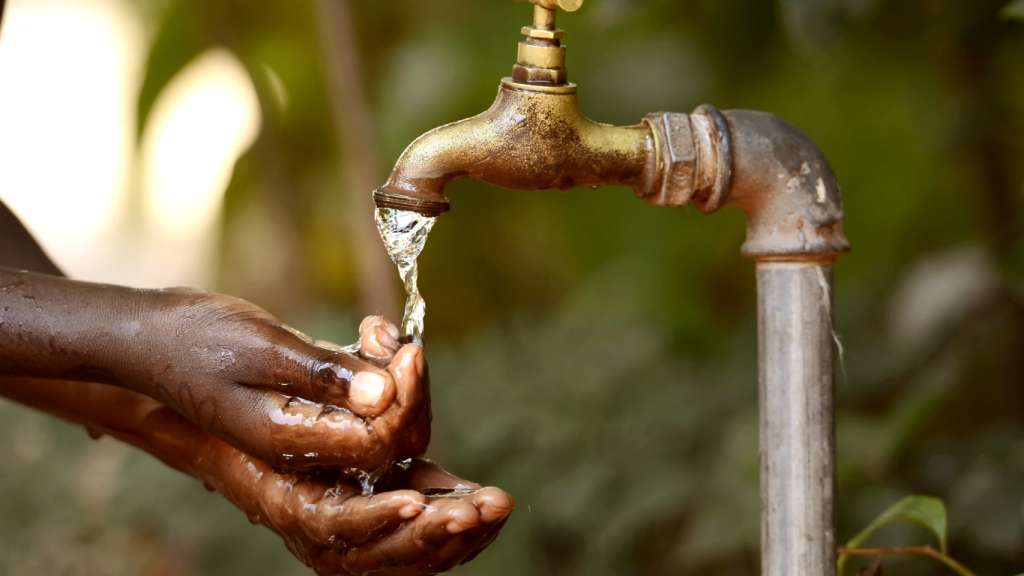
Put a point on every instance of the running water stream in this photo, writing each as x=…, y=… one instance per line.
x=404, y=234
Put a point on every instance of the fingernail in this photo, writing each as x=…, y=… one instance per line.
x=409, y=511
x=392, y=330
x=366, y=388
x=370, y=322
x=387, y=339
x=454, y=527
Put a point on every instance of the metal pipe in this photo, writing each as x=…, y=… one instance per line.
x=772, y=171
x=535, y=138
x=795, y=384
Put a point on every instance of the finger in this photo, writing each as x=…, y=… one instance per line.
x=409, y=369
x=494, y=504
x=470, y=543
x=418, y=440
x=426, y=474
x=352, y=520
x=371, y=321
x=370, y=443
x=458, y=550
x=295, y=367
x=377, y=343
x=417, y=539
x=291, y=433
x=483, y=543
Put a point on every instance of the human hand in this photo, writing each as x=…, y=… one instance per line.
x=406, y=529
x=337, y=531
x=225, y=364
x=234, y=370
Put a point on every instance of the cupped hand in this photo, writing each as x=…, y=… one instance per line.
x=421, y=521
x=407, y=530
x=270, y=391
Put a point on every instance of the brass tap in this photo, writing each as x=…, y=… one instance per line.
x=534, y=137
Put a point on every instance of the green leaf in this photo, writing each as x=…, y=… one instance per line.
x=1013, y=10
x=927, y=511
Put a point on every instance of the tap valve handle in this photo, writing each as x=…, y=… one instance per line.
x=567, y=5
x=542, y=56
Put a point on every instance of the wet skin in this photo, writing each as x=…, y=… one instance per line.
x=225, y=364
x=299, y=404
x=324, y=521
x=328, y=525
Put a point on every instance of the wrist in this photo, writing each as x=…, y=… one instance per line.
x=55, y=328
x=145, y=331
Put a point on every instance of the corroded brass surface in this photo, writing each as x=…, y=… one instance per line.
x=541, y=56
x=567, y=5
x=532, y=138
x=543, y=18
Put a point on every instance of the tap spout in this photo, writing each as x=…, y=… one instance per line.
x=534, y=137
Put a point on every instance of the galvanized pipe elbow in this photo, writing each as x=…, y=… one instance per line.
x=761, y=164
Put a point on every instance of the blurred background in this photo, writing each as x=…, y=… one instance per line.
x=593, y=355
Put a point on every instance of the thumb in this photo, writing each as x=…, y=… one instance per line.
x=301, y=369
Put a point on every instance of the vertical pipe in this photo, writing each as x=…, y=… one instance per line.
x=796, y=386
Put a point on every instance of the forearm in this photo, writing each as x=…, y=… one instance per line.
x=52, y=327
x=154, y=428
x=149, y=426
x=122, y=414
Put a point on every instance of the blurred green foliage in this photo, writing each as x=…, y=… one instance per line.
x=593, y=355
x=1014, y=9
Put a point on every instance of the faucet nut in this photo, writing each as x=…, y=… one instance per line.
x=538, y=64
x=530, y=75
x=543, y=34
x=694, y=153
x=714, y=158
x=678, y=159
